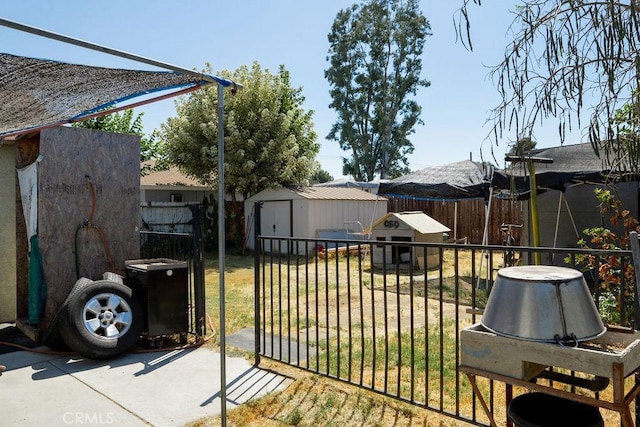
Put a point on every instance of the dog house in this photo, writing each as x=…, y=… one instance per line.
x=407, y=227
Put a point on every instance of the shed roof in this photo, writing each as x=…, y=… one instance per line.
x=417, y=220
x=323, y=193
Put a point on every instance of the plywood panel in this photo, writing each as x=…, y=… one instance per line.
x=8, y=288
x=89, y=208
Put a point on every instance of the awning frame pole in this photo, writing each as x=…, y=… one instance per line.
x=120, y=53
x=221, y=257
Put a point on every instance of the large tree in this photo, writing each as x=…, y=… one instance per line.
x=567, y=59
x=375, y=65
x=269, y=138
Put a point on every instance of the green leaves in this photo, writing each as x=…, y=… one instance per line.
x=375, y=64
x=269, y=138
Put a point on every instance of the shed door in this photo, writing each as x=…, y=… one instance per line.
x=275, y=220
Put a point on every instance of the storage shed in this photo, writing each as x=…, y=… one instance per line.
x=313, y=212
x=407, y=227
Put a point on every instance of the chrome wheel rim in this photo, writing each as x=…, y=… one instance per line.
x=107, y=315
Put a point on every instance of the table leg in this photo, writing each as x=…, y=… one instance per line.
x=508, y=397
x=476, y=390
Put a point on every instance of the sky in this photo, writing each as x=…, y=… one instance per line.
x=293, y=33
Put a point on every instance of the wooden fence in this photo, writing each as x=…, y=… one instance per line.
x=470, y=214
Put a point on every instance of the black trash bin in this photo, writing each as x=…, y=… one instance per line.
x=544, y=410
x=162, y=286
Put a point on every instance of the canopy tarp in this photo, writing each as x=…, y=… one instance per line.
x=459, y=180
x=556, y=168
x=39, y=93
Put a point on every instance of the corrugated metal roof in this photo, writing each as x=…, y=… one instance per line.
x=335, y=193
x=417, y=220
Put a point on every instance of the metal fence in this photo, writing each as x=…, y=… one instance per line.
x=387, y=316
x=183, y=247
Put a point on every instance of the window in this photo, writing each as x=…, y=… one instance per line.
x=176, y=198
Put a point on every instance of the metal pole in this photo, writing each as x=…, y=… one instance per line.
x=533, y=202
x=104, y=49
x=221, y=256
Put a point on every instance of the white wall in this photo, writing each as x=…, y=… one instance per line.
x=8, y=285
x=311, y=216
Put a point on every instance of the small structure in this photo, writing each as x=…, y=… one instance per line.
x=407, y=227
x=312, y=212
x=166, y=197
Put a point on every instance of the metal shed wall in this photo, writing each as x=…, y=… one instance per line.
x=309, y=217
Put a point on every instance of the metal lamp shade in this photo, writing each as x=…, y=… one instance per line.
x=542, y=303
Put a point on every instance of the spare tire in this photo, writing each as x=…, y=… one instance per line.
x=101, y=319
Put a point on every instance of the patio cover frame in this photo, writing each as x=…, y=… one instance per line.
x=221, y=83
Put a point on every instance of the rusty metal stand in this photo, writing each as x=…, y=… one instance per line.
x=621, y=401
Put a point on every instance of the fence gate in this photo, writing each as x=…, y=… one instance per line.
x=187, y=247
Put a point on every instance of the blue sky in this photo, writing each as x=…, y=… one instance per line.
x=293, y=33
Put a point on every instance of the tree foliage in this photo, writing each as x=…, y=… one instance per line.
x=319, y=176
x=569, y=59
x=375, y=65
x=115, y=122
x=269, y=138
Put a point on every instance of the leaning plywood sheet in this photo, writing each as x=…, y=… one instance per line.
x=89, y=209
x=7, y=235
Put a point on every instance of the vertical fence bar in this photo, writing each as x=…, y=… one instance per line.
x=374, y=340
x=326, y=308
x=337, y=310
x=362, y=325
x=441, y=323
x=297, y=285
x=257, y=244
x=198, y=268
x=279, y=301
x=399, y=323
x=317, y=307
x=349, y=322
x=289, y=302
x=426, y=327
x=386, y=327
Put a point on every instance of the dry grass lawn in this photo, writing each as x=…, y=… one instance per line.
x=313, y=400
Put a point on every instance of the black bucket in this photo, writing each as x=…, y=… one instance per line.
x=545, y=410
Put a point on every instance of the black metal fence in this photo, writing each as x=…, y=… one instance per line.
x=183, y=247
x=387, y=316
